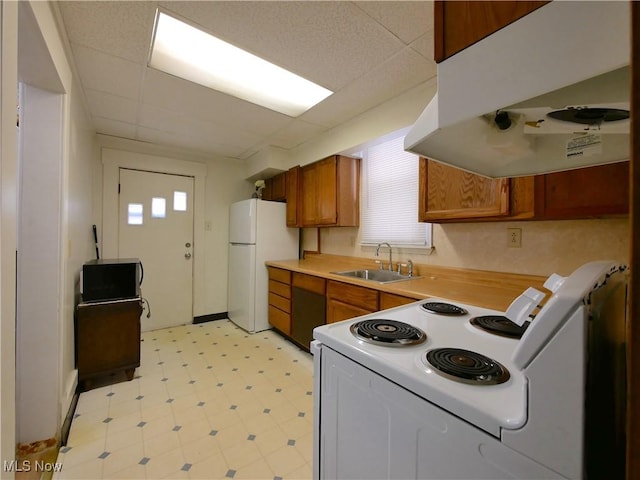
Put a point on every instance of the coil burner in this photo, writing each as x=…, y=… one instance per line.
x=443, y=308
x=388, y=332
x=499, y=325
x=466, y=366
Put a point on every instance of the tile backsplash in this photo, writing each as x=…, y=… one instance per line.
x=547, y=246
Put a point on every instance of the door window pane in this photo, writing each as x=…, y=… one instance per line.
x=180, y=201
x=158, y=207
x=134, y=214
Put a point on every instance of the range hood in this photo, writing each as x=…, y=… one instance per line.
x=490, y=114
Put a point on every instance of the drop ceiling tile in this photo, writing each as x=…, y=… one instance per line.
x=425, y=45
x=114, y=128
x=195, y=101
x=402, y=72
x=107, y=73
x=217, y=133
x=106, y=105
x=356, y=49
x=161, y=137
x=330, y=43
x=406, y=20
x=122, y=29
x=294, y=134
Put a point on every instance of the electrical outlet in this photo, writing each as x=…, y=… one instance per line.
x=207, y=225
x=514, y=237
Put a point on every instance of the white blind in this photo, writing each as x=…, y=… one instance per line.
x=390, y=197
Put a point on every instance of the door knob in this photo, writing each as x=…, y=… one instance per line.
x=187, y=255
x=187, y=244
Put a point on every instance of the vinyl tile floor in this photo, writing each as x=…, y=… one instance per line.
x=209, y=401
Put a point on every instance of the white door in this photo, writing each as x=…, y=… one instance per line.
x=155, y=224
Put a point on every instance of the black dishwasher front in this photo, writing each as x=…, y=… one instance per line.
x=308, y=312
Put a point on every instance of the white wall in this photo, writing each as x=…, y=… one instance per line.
x=399, y=112
x=38, y=346
x=558, y=246
x=8, y=214
x=55, y=380
x=82, y=168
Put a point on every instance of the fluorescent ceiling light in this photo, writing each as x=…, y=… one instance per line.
x=184, y=51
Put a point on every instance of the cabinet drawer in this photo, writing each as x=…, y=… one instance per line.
x=338, y=311
x=281, y=303
x=280, y=320
x=279, y=275
x=281, y=289
x=309, y=282
x=390, y=300
x=362, y=297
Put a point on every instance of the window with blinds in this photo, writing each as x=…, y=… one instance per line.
x=389, y=203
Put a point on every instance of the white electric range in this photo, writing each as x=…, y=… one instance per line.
x=438, y=389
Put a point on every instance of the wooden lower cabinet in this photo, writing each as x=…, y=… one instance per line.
x=391, y=300
x=347, y=301
x=280, y=299
x=107, y=339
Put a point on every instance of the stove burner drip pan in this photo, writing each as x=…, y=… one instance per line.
x=443, y=308
x=391, y=333
x=466, y=366
x=499, y=325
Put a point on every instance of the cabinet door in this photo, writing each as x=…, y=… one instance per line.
x=327, y=192
x=390, y=300
x=448, y=193
x=280, y=320
x=107, y=338
x=347, y=301
x=583, y=193
x=309, y=195
x=459, y=24
x=279, y=188
x=338, y=310
x=292, y=188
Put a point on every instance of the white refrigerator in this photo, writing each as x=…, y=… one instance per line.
x=257, y=233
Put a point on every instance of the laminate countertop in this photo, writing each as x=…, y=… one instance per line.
x=495, y=290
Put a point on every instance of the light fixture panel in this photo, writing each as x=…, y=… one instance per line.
x=187, y=52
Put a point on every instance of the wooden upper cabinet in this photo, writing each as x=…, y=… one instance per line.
x=448, y=193
x=275, y=188
x=583, y=193
x=459, y=24
x=292, y=189
x=330, y=192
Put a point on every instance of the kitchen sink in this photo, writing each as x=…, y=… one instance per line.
x=380, y=276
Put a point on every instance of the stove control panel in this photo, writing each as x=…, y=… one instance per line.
x=520, y=309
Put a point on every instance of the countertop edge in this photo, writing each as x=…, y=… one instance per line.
x=495, y=290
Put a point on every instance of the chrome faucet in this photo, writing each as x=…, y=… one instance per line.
x=390, y=259
x=409, y=266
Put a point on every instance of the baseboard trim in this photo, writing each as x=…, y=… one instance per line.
x=66, y=426
x=210, y=317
